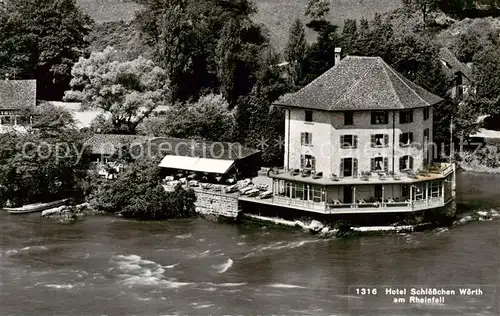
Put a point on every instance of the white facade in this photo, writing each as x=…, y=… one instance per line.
x=327, y=130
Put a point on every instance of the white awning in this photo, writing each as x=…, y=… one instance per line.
x=486, y=133
x=196, y=164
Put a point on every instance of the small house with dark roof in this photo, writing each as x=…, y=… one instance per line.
x=109, y=147
x=14, y=96
x=108, y=151
x=203, y=157
x=459, y=73
x=358, y=139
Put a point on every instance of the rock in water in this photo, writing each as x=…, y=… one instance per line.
x=316, y=226
x=324, y=232
x=482, y=213
x=55, y=212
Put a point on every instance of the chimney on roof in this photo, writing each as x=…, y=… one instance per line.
x=338, y=50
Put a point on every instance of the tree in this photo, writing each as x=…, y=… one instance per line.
x=296, y=52
x=46, y=164
x=137, y=193
x=486, y=79
x=259, y=124
x=42, y=39
x=349, y=35
x=209, y=119
x=317, y=9
x=191, y=36
x=296, y=48
x=467, y=45
x=424, y=6
x=128, y=90
x=48, y=119
x=417, y=59
x=237, y=57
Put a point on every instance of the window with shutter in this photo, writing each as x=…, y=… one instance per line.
x=377, y=164
x=302, y=161
x=342, y=167
x=373, y=140
x=355, y=167
x=355, y=141
x=406, y=163
x=313, y=162
x=386, y=140
x=405, y=139
x=348, y=141
x=386, y=164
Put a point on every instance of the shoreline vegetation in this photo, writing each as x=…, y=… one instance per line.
x=486, y=160
x=217, y=78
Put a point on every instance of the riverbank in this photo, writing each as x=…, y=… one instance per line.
x=324, y=230
x=484, y=160
x=70, y=213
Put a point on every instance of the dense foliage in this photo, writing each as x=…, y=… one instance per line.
x=48, y=163
x=209, y=118
x=137, y=193
x=204, y=46
x=42, y=39
x=128, y=90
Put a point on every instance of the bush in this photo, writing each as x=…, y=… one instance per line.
x=137, y=193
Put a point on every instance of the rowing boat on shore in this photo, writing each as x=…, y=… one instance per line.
x=36, y=207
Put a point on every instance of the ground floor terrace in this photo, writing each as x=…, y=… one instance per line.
x=386, y=195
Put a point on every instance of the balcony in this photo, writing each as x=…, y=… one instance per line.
x=433, y=172
x=351, y=208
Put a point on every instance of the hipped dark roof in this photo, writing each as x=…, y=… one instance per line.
x=15, y=94
x=109, y=144
x=360, y=83
x=162, y=146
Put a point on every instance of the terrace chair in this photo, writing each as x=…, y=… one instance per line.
x=305, y=173
x=317, y=175
x=295, y=172
x=334, y=177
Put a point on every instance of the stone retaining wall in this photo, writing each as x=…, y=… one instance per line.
x=216, y=204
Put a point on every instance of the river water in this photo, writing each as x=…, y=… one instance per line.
x=112, y=266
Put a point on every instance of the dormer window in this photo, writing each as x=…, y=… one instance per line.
x=308, y=116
